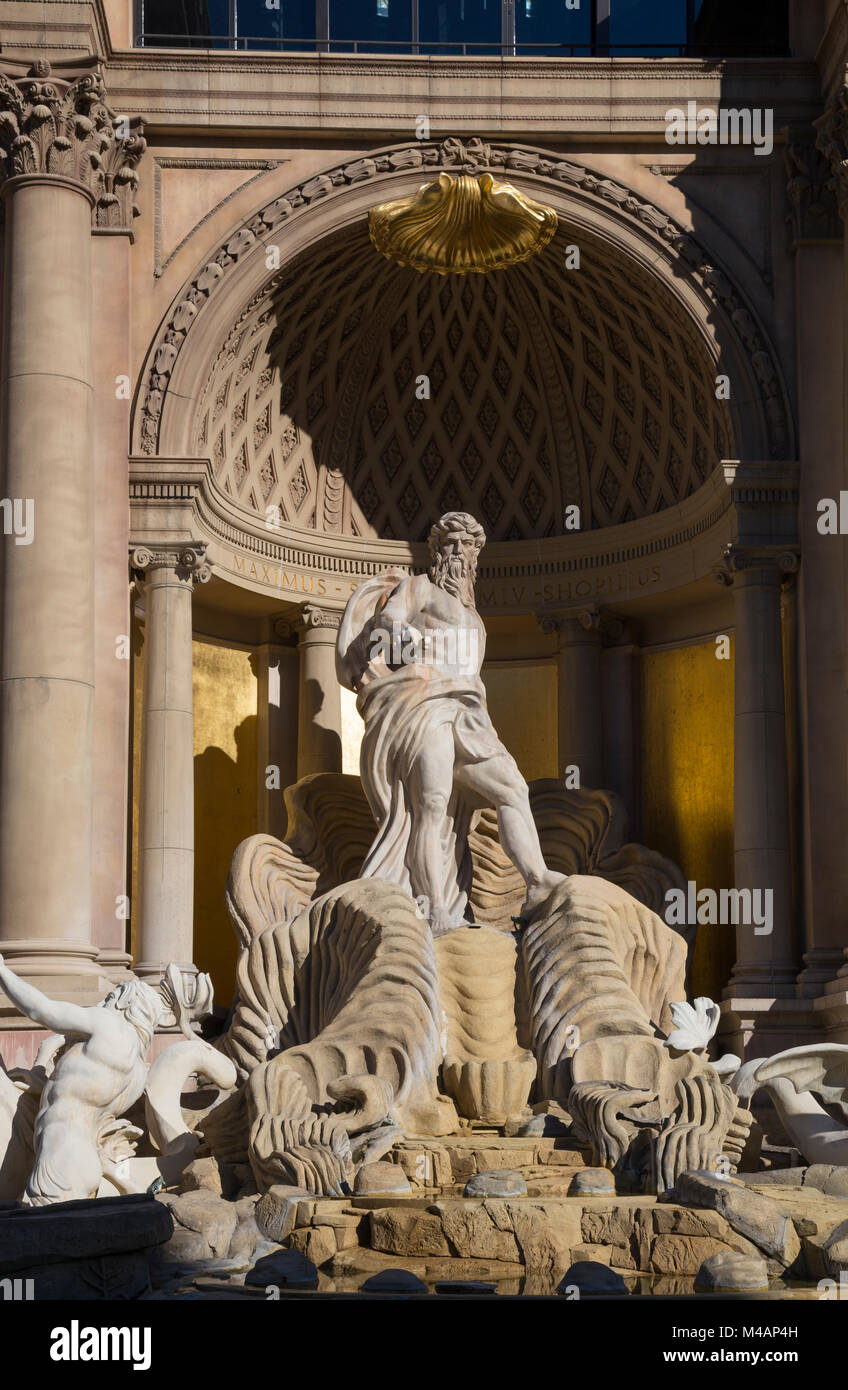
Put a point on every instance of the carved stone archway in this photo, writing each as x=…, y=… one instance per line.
x=543, y=387
x=227, y=289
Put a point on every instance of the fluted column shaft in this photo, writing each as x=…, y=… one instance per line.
x=580, y=697
x=319, y=706
x=166, y=822
x=66, y=165
x=47, y=689
x=765, y=961
x=277, y=699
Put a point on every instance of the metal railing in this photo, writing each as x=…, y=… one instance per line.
x=473, y=48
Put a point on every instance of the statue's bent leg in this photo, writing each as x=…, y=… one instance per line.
x=497, y=782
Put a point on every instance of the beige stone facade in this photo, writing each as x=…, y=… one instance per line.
x=210, y=375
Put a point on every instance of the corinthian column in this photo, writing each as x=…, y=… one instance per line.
x=319, y=706
x=60, y=170
x=580, y=693
x=166, y=820
x=823, y=428
x=765, y=959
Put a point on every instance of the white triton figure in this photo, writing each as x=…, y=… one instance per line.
x=412, y=648
x=99, y=1074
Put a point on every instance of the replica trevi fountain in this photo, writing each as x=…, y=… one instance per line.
x=461, y=1045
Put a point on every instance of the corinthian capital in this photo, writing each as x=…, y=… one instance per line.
x=810, y=188
x=832, y=141
x=59, y=123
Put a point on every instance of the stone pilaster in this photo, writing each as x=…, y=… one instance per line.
x=319, y=705
x=61, y=170
x=620, y=689
x=766, y=960
x=823, y=349
x=277, y=701
x=166, y=820
x=580, y=732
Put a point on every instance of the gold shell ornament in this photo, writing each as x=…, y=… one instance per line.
x=460, y=226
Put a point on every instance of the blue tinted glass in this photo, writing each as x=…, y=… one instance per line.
x=376, y=25
x=164, y=20
x=725, y=27
x=647, y=27
x=476, y=23
x=554, y=24
x=272, y=23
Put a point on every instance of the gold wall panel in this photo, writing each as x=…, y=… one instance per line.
x=522, y=698
x=687, y=783
x=225, y=796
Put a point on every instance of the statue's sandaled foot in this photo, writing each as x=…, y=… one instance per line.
x=441, y=921
x=539, y=891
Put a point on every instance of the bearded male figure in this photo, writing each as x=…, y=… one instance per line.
x=412, y=648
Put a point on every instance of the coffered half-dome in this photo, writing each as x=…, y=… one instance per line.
x=548, y=386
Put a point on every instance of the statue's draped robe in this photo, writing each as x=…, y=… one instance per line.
x=402, y=710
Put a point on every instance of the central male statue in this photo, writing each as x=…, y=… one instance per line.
x=412, y=649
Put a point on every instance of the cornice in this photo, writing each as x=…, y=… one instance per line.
x=762, y=483
x=159, y=486
x=183, y=90
x=669, y=70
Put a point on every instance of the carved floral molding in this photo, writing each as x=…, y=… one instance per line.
x=810, y=189
x=832, y=141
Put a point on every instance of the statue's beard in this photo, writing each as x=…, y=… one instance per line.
x=455, y=576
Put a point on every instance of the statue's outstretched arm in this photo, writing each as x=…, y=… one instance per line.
x=54, y=1014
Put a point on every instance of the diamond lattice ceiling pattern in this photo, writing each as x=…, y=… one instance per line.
x=548, y=387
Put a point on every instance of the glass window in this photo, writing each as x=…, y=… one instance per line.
x=562, y=26
x=650, y=28
x=445, y=25
x=274, y=23
x=377, y=26
x=724, y=27
x=178, y=23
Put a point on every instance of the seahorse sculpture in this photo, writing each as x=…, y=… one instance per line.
x=354, y=1024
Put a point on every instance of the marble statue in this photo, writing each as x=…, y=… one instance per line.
x=62, y=1122
x=382, y=988
x=799, y=1080
x=412, y=648
x=492, y=948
